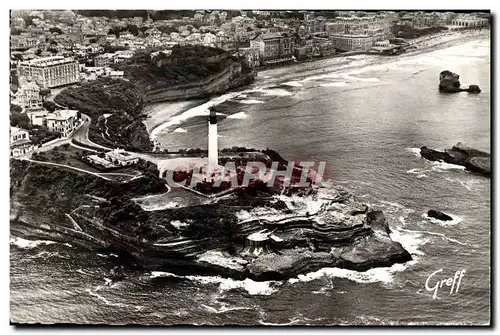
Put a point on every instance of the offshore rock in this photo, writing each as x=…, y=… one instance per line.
x=439, y=215
x=449, y=83
x=474, y=160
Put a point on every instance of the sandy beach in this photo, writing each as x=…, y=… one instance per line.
x=159, y=113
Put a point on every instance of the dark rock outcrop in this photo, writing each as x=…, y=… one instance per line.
x=474, y=160
x=439, y=215
x=474, y=89
x=449, y=83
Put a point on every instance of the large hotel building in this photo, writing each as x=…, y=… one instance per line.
x=50, y=72
x=357, y=33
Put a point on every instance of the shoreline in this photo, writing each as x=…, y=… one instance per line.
x=157, y=116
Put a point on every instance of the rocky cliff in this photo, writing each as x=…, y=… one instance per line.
x=262, y=237
x=474, y=160
x=231, y=77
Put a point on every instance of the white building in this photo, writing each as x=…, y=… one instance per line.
x=20, y=143
x=50, y=72
x=121, y=157
x=62, y=121
x=37, y=118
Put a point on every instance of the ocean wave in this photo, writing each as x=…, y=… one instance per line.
x=226, y=284
x=441, y=235
x=240, y=115
x=442, y=166
x=383, y=275
x=293, y=83
x=368, y=80
x=415, y=151
x=456, y=220
x=278, y=92
x=321, y=77
x=28, y=244
x=420, y=173
x=250, y=101
x=180, y=130
x=335, y=84
x=410, y=240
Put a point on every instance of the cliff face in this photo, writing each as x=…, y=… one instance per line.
x=259, y=237
x=231, y=77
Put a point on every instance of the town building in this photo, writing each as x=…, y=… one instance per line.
x=120, y=157
x=349, y=42
x=20, y=142
x=104, y=60
x=28, y=94
x=469, y=22
x=274, y=47
x=37, y=118
x=50, y=72
x=251, y=57
x=62, y=121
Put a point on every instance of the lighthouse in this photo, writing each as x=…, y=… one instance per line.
x=213, y=156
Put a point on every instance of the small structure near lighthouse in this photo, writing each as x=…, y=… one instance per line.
x=213, y=155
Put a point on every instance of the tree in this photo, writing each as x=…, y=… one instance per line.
x=44, y=92
x=19, y=120
x=49, y=105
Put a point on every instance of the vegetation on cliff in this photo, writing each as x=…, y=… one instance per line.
x=185, y=64
x=115, y=107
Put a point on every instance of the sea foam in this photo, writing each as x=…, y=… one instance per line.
x=240, y=115
x=226, y=284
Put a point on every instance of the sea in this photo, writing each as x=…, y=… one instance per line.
x=366, y=117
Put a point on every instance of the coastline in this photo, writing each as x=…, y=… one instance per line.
x=162, y=112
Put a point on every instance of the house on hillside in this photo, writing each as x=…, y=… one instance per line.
x=20, y=142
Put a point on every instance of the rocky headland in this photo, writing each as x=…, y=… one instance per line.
x=251, y=234
x=474, y=160
x=449, y=83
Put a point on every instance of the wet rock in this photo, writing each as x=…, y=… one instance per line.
x=439, y=215
x=377, y=221
x=474, y=89
x=474, y=160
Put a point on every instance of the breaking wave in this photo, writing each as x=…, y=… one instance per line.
x=240, y=115
x=226, y=284
x=180, y=130
x=335, y=84
x=250, y=101
x=368, y=80
x=293, y=83
x=415, y=151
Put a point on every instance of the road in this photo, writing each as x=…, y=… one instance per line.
x=82, y=134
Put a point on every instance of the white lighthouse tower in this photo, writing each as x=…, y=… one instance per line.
x=213, y=155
